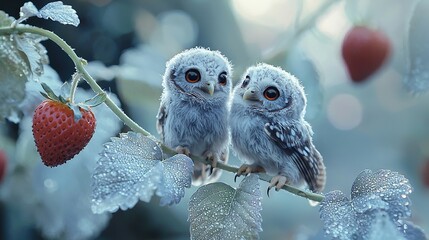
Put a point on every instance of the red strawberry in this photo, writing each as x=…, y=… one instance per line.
x=57, y=135
x=3, y=164
x=364, y=50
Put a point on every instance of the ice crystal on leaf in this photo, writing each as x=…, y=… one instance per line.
x=130, y=168
x=378, y=200
x=55, y=11
x=218, y=211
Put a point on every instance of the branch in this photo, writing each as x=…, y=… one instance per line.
x=80, y=63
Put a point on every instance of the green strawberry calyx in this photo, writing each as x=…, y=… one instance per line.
x=65, y=99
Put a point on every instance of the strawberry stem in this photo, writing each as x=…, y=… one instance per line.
x=81, y=72
x=75, y=81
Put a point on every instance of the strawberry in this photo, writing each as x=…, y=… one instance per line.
x=364, y=50
x=58, y=134
x=3, y=164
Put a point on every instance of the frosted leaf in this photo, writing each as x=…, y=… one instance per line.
x=383, y=228
x=175, y=179
x=385, y=190
x=12, y=91
x=379, y=202
x=34, y=53
x=337, y=215
x=417, y=79
x=21, y=58
x=130, y=168
x=218, y=211
x=28, y=10
x=411, y=231
x=59, y=12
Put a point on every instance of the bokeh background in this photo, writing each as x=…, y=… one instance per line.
x=381, y=123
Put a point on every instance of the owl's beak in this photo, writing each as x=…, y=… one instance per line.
x=250, y=94
x=209, y=88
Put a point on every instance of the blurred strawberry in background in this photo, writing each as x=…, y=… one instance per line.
x=364, y=51
x=3, y=164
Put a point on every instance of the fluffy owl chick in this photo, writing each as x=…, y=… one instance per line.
x=193, y=114
x=269, y=132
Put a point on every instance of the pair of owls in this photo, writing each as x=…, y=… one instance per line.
x=263, y=118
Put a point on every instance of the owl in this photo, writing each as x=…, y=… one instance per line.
x=268, y=130
x=193, y=114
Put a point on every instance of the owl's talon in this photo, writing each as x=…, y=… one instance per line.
x=268, y=191
x=235, y=178
x=278, y=182
x=183, y=150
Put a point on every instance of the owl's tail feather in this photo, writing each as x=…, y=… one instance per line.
x=321, y=177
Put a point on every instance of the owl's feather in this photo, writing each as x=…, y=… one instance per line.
x=268, y=129
x=193, y=114
x=295, y=140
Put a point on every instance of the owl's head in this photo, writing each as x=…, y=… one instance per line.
x=265, y=88
x=199, y=74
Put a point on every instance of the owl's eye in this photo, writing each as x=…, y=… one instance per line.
x=245, y=82
x=222, y=79
x=193, y=75
x=271, y=93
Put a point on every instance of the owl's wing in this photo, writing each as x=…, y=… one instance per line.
x=160, y=118
x=295, y=140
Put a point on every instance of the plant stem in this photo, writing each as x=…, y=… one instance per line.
x=80, y=63
x=75, y=81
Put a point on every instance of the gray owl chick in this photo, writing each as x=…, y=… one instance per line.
x=269, y=132
x=193, y=114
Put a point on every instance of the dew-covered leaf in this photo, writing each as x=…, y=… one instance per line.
x=385, y=190
x=130, y=168
x=21, y=58
x=337, y=214
x=378, y=209
x=218, y=211
x=383, y=228
x=59, y=12
x=35, y=53
x=5, y=19
x=412, y=232
x=177, y=170
x=417, y=78
x=28, y=10
x=12, y=90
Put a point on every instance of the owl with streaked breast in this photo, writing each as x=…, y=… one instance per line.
x=268, y=130
x=193, y=114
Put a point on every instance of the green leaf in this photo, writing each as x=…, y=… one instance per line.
x=96, y=100
x=49, y=92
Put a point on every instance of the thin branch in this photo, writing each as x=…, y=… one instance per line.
x=75, y=81
x=80, y=63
